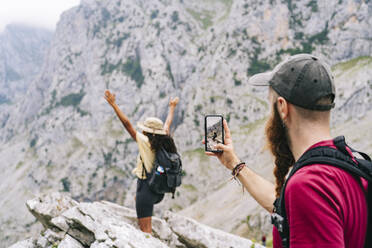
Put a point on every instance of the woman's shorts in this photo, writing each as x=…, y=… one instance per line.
x=145, y=199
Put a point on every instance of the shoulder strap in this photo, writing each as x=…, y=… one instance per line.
x=143, y=167
x=321, y=155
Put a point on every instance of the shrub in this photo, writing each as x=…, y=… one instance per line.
x=133, y=69
x=66, y=184
x=72, y=99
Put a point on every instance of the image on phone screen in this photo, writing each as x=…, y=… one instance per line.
x=214, y=133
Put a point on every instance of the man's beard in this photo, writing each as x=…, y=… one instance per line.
x=278, y=143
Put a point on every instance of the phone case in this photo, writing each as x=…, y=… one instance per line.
x=205, y=132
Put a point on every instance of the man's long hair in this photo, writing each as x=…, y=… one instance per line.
x=158, y=141
x=278, y=144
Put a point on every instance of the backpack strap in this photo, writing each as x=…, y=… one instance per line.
x=143, y=167
x=325, y=155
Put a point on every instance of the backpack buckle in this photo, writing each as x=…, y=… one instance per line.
x=277, y=221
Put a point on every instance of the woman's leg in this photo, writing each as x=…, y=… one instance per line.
x=144, y=206
x=145, y=224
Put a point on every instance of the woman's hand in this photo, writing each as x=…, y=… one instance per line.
x=110, y=98
x=173, y=102
x=227, y=157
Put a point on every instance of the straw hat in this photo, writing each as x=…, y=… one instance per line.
x=152, y=125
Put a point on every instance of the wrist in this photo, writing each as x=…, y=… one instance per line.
x=234, y=162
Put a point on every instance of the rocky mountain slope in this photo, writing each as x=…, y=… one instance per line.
x=65, y=137
x=22, y=52
x=69, y=224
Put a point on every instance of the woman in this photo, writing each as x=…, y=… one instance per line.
x=154, y=136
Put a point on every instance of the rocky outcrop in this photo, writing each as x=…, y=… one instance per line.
x=69, y=224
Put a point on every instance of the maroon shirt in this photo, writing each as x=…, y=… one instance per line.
x=326, y=207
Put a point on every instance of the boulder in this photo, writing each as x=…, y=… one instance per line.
x=48, y=206
x=107, y=225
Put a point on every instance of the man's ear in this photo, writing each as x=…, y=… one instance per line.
x=283, y=108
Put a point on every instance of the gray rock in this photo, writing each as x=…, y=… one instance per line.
x=28, y=243
x=48, y=206
x=69, y=242
x=105, y=224
x=194, y=234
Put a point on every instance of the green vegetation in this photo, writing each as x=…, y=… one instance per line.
x=313, y=5
x=72, y=99
x=108, y=68
x=19, y=165
x=175, y=17
x=105, y=16
x=154, y=14
x=231, y=53
x=133, y=69
x=256, y=65
x=66, y=184
x=162, y=94
x=107, y=157
x=33, y=142
x=237, y=82
x=119, y=41
x=307, y=43
x=347, y=65
x=250, y=127
x=170, y=74
x=198, y=107
x=204, y=18
x=189, y=187
x=197, y=152
x=196, y=122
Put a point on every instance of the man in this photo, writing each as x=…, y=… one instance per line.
x=325, y=205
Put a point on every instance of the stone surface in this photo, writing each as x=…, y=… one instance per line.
x=104, y=224
x=48, y=206
x=69, y=242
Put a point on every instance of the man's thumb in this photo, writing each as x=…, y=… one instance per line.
x=220, y=147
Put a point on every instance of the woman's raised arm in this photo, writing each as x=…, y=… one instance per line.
x=172, y=105
x=110, y=98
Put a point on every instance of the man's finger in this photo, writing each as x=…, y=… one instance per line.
x=220, y=147
x=227, y=130
x=211, y=154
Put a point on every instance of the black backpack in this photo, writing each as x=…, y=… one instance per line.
x=166, y=173
x=339, y=158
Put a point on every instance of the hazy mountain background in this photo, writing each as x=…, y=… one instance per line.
x=59, y=134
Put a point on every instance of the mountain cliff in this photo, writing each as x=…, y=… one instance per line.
x=22, y=52
x=64, y=136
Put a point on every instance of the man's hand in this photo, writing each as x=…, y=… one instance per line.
x=227, y=157
x=173, y=102
x=110, y=98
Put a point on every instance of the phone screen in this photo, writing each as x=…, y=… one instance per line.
x=214, y=133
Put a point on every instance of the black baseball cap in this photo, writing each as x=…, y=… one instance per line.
x=302, y=80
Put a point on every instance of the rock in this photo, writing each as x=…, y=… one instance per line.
x=194, y=234
x=69, y=242
x=28, y=243
x=48, y=206
x=108, y=225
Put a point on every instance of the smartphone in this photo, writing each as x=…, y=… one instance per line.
x=214, y=132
